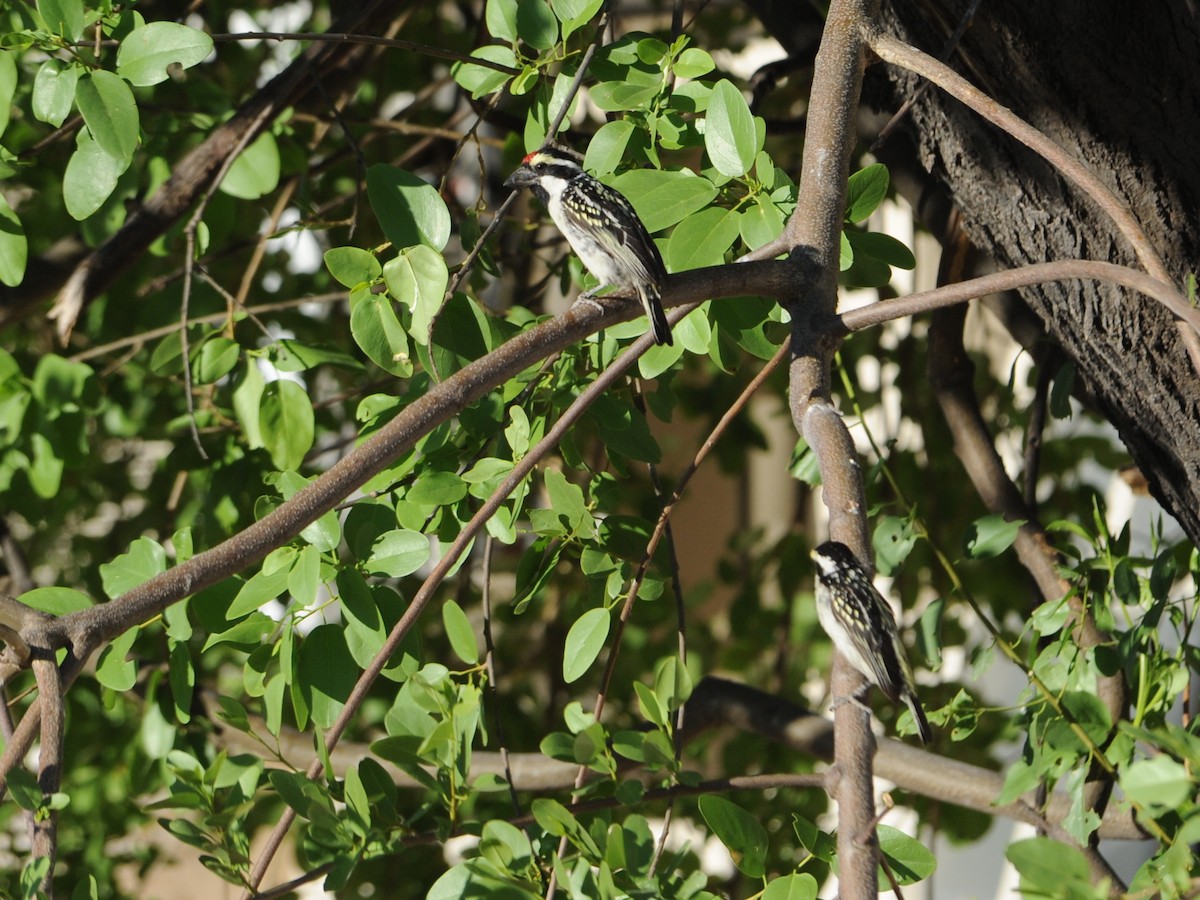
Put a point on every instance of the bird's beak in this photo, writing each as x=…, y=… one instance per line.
x=520, y=178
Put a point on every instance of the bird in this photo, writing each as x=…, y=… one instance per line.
x=860, y=623
x=602, y=228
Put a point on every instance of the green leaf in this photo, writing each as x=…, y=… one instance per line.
x=555, y=818
x=536, y=24
x=909, y=859
x=1060, y=393
x=761, y=223
x=14, y=247
x=606, y=149
x=304, y=577
x=86, y=889
x=618, y=96
x=397, y=553
x=54, y=91
x=182, y=678
x=409, y=210
x=460, y=632
x=63, y=17
x=294, y=356
x=33, y=873
x=729, y=135
x=58, y=601
x=865, y=190
x=287, y=423
x=566, y=499
x=883, y=247
x=113, y=670
x=326, y=673
x=375, y=329
x=693, y=63
x=255, y=172
x=418, y=278
x=1160, y=783
x=480, y=80
x=1046, y=866
x=501, y=18
x=624, y=429
x=893, y=540
x=110, y=112
x=702, y=239
x=574, y=13
x=147, y=52
x=739, y=831
x=800, y=886
x=990, y=536
x=215, y=359
x=90, y=178
x=437, y=489
x=144, y=559
x=262, y=587
x=8, y=87
x=584, y=642
x=352, y=266
x=662, y=199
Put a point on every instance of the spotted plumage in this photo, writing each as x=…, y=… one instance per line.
x=602, y=228
x=860, y=623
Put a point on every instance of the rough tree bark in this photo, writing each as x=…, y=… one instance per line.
x=1109, y=89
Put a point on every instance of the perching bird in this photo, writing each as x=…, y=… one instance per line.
x=860, y=623
x=601, y=227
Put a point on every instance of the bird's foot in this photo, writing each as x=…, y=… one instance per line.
x=589, y=297
x=853, y=699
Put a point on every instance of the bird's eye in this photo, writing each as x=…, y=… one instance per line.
x=540, y=167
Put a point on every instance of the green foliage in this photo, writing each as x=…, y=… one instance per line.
x=142, y=446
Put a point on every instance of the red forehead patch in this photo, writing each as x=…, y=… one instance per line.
x=529, y=156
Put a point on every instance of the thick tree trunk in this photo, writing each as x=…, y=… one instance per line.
x=1112, y=86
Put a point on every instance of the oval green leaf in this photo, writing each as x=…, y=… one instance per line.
x=865, y=191
x=729, y=135
x=584, y=642
x=286, y=421
x=255, y=172
x=378, y=332
x=147, y=52
x=739, y=831
x=110, y=112
x=90, y=179
x=14, y=247
x=662, y=199
x=409, y=209
x=702, y=239
x=536, y=24
x=54, y=91
x=990, y=536
x=418, y=279
x=352, y=266
x=461, y=634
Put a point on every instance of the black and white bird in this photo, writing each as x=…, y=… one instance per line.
x=601, y=227
x=860, y=623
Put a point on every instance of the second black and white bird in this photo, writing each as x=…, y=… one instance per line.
x=860, y=623
x=602, y=228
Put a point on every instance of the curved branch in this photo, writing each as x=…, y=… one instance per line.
x=1026, y=276
x=893, y=50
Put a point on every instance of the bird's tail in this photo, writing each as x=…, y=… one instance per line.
x=654, y=311
x=918, y=714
